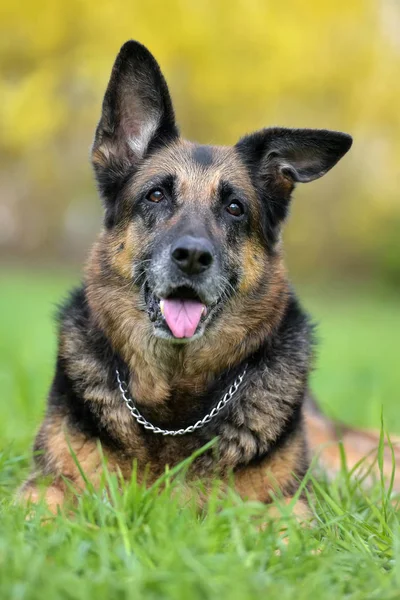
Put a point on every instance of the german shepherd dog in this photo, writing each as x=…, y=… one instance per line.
x=186, y=328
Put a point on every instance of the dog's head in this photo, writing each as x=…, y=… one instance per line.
x=189, y=228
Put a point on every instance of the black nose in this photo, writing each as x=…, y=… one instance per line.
x=192, y=255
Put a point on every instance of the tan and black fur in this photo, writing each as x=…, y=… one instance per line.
x=229, y=204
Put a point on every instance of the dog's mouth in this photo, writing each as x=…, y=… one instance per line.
x=181, y=314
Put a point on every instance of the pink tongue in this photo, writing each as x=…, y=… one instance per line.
x=182, y=316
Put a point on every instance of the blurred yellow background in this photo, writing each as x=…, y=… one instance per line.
x=232, y=67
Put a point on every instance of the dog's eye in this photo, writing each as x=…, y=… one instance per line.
x=156, y=196
x=235, y=209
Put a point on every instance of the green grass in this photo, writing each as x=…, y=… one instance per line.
x=139, y=543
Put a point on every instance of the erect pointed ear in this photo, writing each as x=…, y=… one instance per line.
x=300, y=155
x=278, y=158
x=137, y=116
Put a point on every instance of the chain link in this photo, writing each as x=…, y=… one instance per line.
x=204, y=421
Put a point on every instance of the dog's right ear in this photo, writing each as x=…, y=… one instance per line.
x=137, y=117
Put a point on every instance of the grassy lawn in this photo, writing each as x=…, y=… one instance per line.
x=143, y=543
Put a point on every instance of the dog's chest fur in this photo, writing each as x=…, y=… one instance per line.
x=262, y=422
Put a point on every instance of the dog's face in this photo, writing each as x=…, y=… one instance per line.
x=190, y=229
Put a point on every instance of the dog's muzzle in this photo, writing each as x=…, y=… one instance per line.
x=182, y=292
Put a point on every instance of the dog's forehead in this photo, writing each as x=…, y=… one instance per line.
x=198, y=169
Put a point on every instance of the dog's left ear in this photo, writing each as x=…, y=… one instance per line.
x=278, y=158
x=137, y=117
x=300, y=155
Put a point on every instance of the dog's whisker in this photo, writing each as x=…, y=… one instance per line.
x=226, y=289
x=134, y=281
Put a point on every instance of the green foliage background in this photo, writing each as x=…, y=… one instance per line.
x=232, y=67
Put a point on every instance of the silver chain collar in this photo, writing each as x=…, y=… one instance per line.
x=204, y=421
